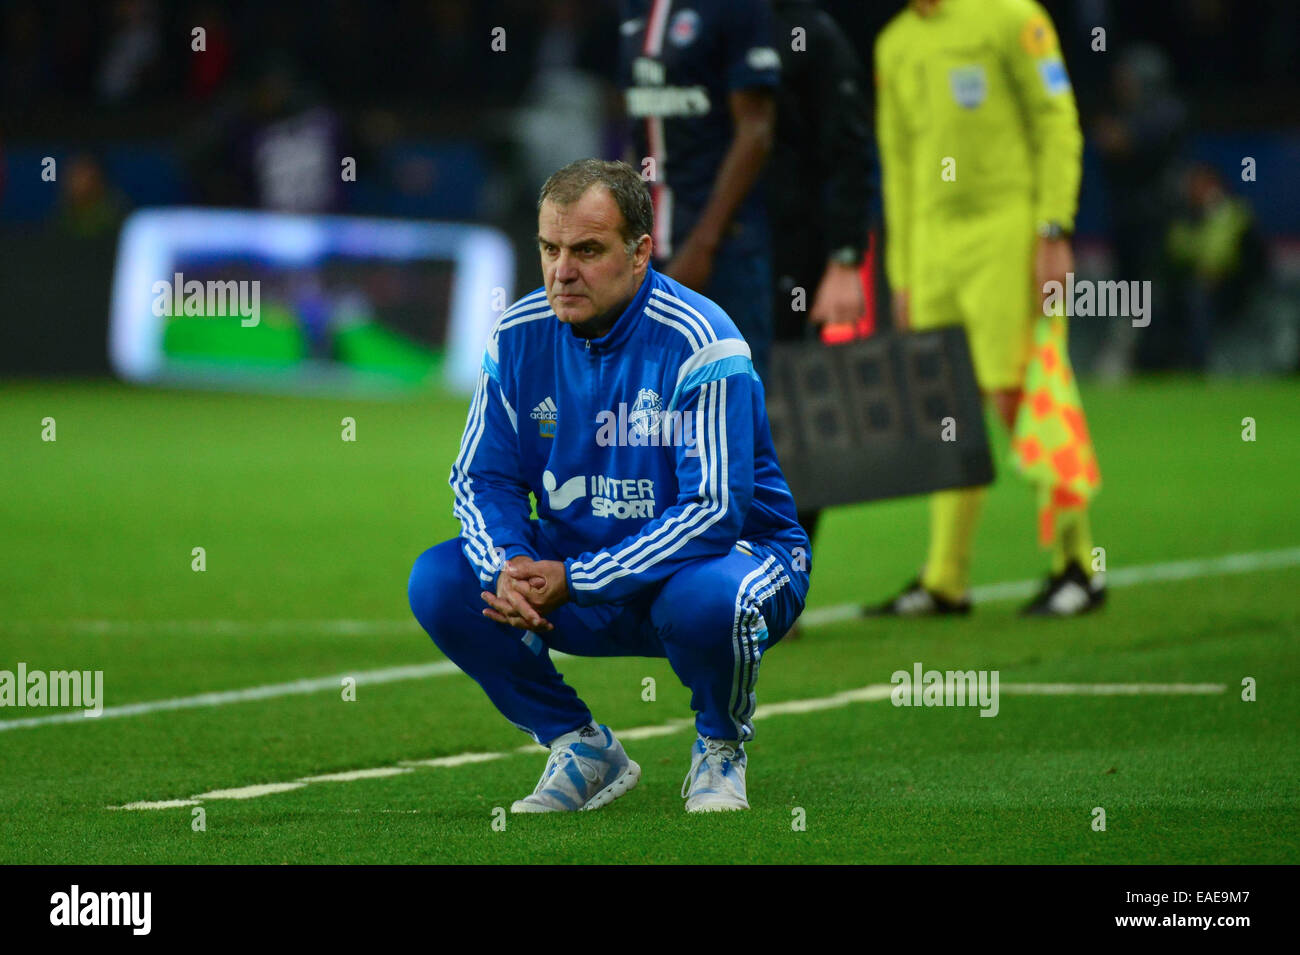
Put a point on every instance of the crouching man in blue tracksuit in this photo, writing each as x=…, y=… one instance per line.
x=628, y=407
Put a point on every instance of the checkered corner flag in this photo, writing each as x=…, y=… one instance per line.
x=1051, y=446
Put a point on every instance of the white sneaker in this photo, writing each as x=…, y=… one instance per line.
x=716, y=782
x=587, y=769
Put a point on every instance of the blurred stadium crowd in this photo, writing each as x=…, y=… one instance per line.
x=444, y=126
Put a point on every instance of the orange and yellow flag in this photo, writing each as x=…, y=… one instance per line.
x=1050, y=443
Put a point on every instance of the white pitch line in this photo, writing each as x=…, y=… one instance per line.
x=867, y=694
x=160, y=804
x=250, y=792
x=355, y=774
x=1226, y=565
x=223, y=628
x=1110, y=689
x=417, y=671
x=819, y=616
x=649, y=732
x=460, y=759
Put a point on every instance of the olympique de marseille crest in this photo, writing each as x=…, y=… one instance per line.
x=645, y=414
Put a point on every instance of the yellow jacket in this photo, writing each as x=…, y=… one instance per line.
x=973, y=110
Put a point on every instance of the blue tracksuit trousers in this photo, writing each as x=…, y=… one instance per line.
x=713, y=620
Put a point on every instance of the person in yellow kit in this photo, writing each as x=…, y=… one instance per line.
x=980, y=152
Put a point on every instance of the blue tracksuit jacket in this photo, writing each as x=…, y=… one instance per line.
x=644, y=449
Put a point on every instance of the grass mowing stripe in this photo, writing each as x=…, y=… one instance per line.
x=1224, y=565
x=1124, y=577
x=866, y=694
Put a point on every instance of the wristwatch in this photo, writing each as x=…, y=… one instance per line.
x=847, y=255
x=1053, y=230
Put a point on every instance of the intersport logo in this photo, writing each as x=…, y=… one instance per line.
x=619, y=498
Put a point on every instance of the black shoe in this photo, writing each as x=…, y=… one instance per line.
x=1068, y=594
x=916, y=601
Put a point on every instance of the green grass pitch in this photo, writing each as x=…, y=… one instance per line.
x=302, y=530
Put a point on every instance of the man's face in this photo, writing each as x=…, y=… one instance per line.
x=584, y=261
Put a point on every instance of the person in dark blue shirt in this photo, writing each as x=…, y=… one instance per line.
x=820, y=215
x=698, y=79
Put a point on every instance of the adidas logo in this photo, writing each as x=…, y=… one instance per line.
x=547, y=417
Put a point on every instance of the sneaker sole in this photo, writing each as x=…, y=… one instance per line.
x=624, y=783
x=522, y=807
x=631, y=776
x=717, y=807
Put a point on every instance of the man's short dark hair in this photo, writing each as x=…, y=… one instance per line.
x=631, y=194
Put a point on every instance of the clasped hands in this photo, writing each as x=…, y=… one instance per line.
x=527, y=590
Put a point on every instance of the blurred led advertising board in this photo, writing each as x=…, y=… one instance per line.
x=326, y=304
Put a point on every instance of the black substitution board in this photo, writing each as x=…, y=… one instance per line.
x=887, y=416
